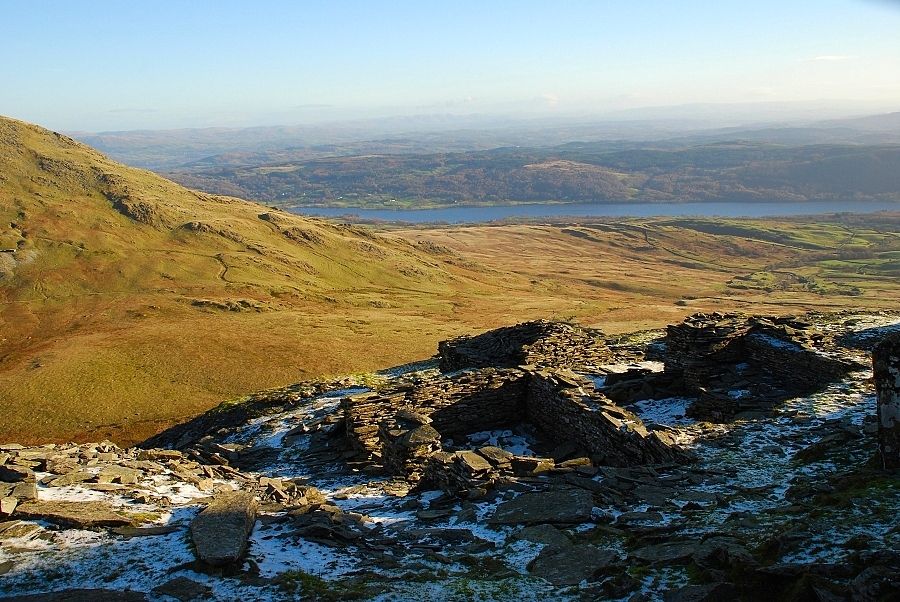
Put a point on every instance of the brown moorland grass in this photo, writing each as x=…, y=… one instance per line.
x=128, y=303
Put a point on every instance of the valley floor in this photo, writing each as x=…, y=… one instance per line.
x=125, y=365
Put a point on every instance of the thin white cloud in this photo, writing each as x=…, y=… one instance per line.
x=830, y=58
x=550, y=99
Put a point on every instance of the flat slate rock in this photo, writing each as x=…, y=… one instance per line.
x=184, y=589
x=566, y=507
x=145, y=531
x=545, y=534
x=220, y=532
x=670, y=552
x=81, y=515
x=570, y=565
x=81, y=595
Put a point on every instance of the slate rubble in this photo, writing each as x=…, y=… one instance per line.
x=605, y=498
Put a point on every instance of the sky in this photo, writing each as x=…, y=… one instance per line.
x=108, y=65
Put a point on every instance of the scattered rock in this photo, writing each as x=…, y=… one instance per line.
x=79, y=476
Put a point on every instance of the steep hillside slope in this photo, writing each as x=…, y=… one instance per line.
x=121, y=289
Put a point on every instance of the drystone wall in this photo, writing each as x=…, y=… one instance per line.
x=404, y=429
x=734, y=364
x=465, y=403
x=799, y=369
x=568, y=408
x=699, y=348
x=540, y=343
x=886, y=364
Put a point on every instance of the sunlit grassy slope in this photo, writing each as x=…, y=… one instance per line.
x=128, y=303
x=127, y=299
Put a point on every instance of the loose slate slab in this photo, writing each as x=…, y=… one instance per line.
x=670, y=552
x=145, y=531
x=184, y=589
x=570, y=565
x=566, y=507
x=82, y=595
x=220, y=532
x=81, y=515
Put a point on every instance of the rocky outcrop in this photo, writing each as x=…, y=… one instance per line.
x=540, y=343
x=886, y=363
x=220, y=532
x=569, y=496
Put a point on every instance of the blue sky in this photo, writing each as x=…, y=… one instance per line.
x=100, y=64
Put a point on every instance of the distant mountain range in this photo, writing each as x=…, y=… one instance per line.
x=839, y=159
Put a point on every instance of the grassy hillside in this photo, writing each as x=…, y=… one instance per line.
x=128, y=303
x=124, y=296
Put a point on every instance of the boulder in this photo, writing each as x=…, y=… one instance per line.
x=80, y=515
x=566, y=507
x=220, y=532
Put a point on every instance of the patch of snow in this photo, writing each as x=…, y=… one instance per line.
x=670, y=411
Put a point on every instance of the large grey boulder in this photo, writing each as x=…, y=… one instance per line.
x=220, y=532
x=566, y=507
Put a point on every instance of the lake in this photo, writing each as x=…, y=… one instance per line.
x=458, y=215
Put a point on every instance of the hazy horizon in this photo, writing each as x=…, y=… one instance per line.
x=111, y=66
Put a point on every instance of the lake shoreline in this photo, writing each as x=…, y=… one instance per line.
x=553, y=211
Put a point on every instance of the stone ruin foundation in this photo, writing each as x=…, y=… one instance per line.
x=405, y=428
x=534, y=374
x=540, y=343
x=736, y=366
